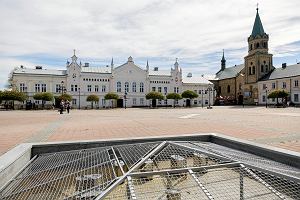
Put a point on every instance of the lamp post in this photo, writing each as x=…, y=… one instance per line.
x=125, y=98
x=79, y=99
x=62, y=88
x=209, y=90
x=266, y=97
x=202, y=98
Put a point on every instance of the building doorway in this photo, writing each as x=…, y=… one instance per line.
x=120, y=103
x=153, y=103
x=188, y=103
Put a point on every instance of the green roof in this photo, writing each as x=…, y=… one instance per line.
x=258, y=28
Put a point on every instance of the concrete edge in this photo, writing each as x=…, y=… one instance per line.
x=13, y=161
x=285, y=156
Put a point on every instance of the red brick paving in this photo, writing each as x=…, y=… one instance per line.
x=256, y=124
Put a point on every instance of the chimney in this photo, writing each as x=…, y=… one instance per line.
x=283, y=65
x=155, y=68
x=38, y=67
x=86, y=64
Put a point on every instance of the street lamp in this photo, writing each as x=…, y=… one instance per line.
x=62, y=88
x=202, y=98
x=209, y=90
x=79, y=99
x=125, y=98
x=266, y=97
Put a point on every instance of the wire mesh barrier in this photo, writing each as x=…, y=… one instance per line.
x=245, y=157
x=154, y=170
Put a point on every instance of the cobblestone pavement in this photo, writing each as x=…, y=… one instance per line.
x=277, y=127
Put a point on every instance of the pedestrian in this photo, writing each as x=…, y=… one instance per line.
x=62, y=104
x=68, y=106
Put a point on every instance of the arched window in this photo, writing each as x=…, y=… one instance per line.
x=141, y=87
x=126, y=87
x=251, y=47
x=257, y=45
x=267, y=68
x=228, y=88
x=262, y=68
x=249, y=71
x=134, y=87
x=253, y=70
x=119, y=86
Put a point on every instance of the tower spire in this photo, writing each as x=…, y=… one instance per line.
x=223, y=62
x=258, y=28
x=147, y=65
x=112, y=62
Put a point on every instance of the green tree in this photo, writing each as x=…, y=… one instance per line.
x=174, y=96
x=153, y=96
x=43, y=96
x=111, y=96
x=13, y=95
x=278, y=94
x=92, y=98
x=65, y=97
x=188, y=94
x=1, y=96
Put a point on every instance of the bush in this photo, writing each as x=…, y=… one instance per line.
x=174, y=96
x=92, y=98
x=154, y=95
x=276, y=94
x=111, y=95
x=44, y=96
x=65, y=97
x=13, y=95
x=188, y=94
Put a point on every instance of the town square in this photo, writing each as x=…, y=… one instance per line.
x=147, y=99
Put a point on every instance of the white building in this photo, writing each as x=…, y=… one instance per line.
x=130, y=79
x=285, y=78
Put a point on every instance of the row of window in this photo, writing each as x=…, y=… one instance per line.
x=133, y=87
x=96, y=88
x=165, y=82
x=96, y=79
x=296, y=84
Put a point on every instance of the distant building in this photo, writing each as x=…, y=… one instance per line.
x=242, y=84
x=128, y=80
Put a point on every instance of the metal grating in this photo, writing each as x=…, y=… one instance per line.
x=245, y=157
x=165, y=171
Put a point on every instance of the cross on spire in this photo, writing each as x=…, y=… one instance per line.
x=257, y=7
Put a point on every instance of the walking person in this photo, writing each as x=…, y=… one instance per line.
x=61, y=106
x=68, y=106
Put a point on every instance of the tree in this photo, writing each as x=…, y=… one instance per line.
x=111, y=96
x=188, y=94
x=153, y=96
x=13, y=95
x=276, y=94
x=92, y=98
x=43, y=96
x=174, y=96
x=65, y=97
x=1, y=96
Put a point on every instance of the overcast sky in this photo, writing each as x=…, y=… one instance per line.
x=45, y=32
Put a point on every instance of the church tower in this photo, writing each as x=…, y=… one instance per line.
x=223, y=62
x=258, y=62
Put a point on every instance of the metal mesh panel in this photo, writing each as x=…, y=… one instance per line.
x=131, y=154
x=174, y=157
x=167, y=187
x=168, y=171
x=245, y=183
x=247, y=158
x=93, y=171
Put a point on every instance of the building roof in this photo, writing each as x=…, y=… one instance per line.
x=160, y=73
x=229, y=72
x=195, y=80
x=101, y=70
x=258, y=28
x=289, y=71
x=39, y=71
